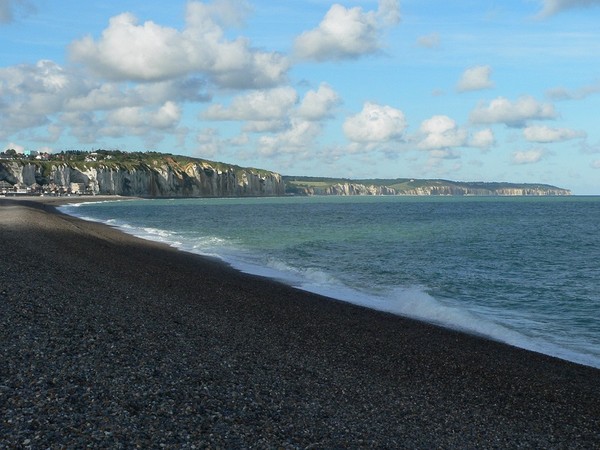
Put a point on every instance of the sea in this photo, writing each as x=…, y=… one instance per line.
x=521, y=270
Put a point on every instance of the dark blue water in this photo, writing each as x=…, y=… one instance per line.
x=525, y=271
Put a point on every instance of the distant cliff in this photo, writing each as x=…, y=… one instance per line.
x=164, y=176
x=331, y=186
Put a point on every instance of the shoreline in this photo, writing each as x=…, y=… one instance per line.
x=512, y=338
x=112, y=340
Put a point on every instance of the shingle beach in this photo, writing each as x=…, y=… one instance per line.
x=109, y=341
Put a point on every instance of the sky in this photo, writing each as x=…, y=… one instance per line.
x=466, y=90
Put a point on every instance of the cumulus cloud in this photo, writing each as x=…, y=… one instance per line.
x=146, y=52
x=59, y=98
x=83, y=125
x=111, y=95
x=375, y=124
x=297, y=138
x=347, y=33
x=262, y=126
x=319, y=104
x=239, y=140
x=544, y=134
x=483, y=139
x=43, y=84
x=561, y=93
x=475, y=79
x=139, y=120
x=272, y=104
x=31, y=93
x=272, y=110
x=429, y=41
x=441, y=132
x=437, y=155
x=512, y=114
x=102, y=97
x=528, y=156
x=551, y=7
x=209, y=144
x=388, y=12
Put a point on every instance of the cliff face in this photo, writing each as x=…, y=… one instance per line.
x=435, y=188
x=166, y=179
x=467, y=191
x=346, y=189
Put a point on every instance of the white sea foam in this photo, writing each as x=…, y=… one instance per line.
x=413, y=302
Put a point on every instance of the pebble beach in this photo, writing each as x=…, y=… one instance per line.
x=109, y=341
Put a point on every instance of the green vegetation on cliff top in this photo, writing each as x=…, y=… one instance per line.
x=404, y=184
x=117, y=159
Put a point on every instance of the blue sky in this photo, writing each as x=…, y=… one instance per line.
x=464, y=90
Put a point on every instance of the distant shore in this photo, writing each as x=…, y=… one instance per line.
x=110, y=341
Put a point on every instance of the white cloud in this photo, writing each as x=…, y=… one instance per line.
x=375, y=124
x=102, y=97
x=167, y=116
x=229, y=12
x=441, y=132
x=298, y=138
x=528, y=156
x=239, y=140
x=347, y=33
x=31, y=93
x=551, y=7
x=483, y=139
x=263, y=105
x=64, y=100
x=151, y=52
x=561, y=93
x=209, y=144
x=190, y=89
x=513, y=114
x=429, y=41
x=43, y=85
x=262, y=126
x=544, y=134
x=389, y=12
x=318, y=104
x=271, y=110
x=475, y=79
x=150, y=124
x=436, y=155
x=53, y=132
x=596, y=164
x=112, y=95
x=139, y=120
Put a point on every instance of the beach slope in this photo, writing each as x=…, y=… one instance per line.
x=110, y=341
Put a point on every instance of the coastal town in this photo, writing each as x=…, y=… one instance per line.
x=18, y=188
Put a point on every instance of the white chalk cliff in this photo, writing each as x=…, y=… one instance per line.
x=164, y=178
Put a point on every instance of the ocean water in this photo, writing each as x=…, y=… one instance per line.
x=524, y=271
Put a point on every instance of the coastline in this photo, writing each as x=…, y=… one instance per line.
x=110, y=340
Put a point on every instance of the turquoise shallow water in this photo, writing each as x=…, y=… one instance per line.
x=525, y=271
